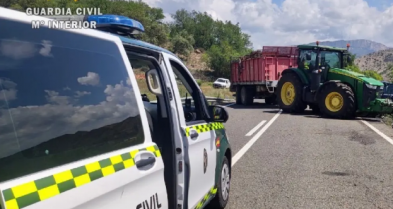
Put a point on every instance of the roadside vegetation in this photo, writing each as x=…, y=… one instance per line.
x=355, y=68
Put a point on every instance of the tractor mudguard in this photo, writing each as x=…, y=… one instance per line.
x=327, y=82
x=298, y=72
x=332, y=81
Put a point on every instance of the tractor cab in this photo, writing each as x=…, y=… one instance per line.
x=316, y=61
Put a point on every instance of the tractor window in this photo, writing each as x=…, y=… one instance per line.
x=330, y=59
x=307, y=64
x=388, y=89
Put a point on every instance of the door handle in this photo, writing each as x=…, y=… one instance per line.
x=194, y=134
x=144, y=162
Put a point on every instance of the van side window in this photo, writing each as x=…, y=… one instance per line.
x=64, y=97
x=188, y=92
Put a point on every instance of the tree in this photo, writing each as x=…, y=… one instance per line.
x=182, y=43
x=221, y=40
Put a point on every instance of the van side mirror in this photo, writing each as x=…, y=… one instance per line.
x=219, y=113
x=153, y=82
x=308, y=57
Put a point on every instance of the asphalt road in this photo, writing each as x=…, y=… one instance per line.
x=303, y=161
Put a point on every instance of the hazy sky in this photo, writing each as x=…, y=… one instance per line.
x=283, y=22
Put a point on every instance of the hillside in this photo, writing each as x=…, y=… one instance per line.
x=359, y=47
x=377, y=61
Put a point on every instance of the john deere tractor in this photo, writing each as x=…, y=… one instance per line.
x=321, y=82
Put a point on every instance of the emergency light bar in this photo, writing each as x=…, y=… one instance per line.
x=117, y=24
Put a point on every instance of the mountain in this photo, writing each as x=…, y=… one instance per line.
x=359, y=47
x=377, y=61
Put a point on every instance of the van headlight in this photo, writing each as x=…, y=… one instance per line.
x=371, y=86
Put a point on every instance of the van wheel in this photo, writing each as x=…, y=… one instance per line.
x=223, y=188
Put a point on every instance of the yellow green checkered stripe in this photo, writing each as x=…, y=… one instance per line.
x=346, y=74
x=41, y=189
x=205, y=127
x=210, y=194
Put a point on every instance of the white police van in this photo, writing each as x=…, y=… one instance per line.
x=76, y=133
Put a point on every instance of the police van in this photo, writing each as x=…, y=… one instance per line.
x=76, y=131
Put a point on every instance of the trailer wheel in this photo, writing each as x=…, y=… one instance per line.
x=238, y=98
x=337, y=100
x=246, y=95
x=289, y=94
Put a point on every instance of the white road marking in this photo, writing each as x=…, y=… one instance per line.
x=229, y=105
x=253, y=140
x=251, y=132
x=378, y=132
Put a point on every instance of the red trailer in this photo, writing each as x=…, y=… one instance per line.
x=256, y=75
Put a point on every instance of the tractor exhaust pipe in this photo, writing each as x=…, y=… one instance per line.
x=315, y=79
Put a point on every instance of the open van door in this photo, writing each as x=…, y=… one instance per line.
x=199, y=135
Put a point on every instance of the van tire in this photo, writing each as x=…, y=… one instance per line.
x=219, y=202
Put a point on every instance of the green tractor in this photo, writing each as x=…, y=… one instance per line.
x=321, y=82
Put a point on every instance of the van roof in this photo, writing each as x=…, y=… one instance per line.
x=140, y=43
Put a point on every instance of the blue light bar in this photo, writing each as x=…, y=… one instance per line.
x=104, y=20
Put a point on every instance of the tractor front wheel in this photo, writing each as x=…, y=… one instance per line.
x=337, y=100
x=289, y=94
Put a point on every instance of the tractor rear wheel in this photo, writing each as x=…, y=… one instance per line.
x=337, y=100
x=289, y=94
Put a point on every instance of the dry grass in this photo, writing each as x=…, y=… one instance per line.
x=209, y=91
x=388, y=119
